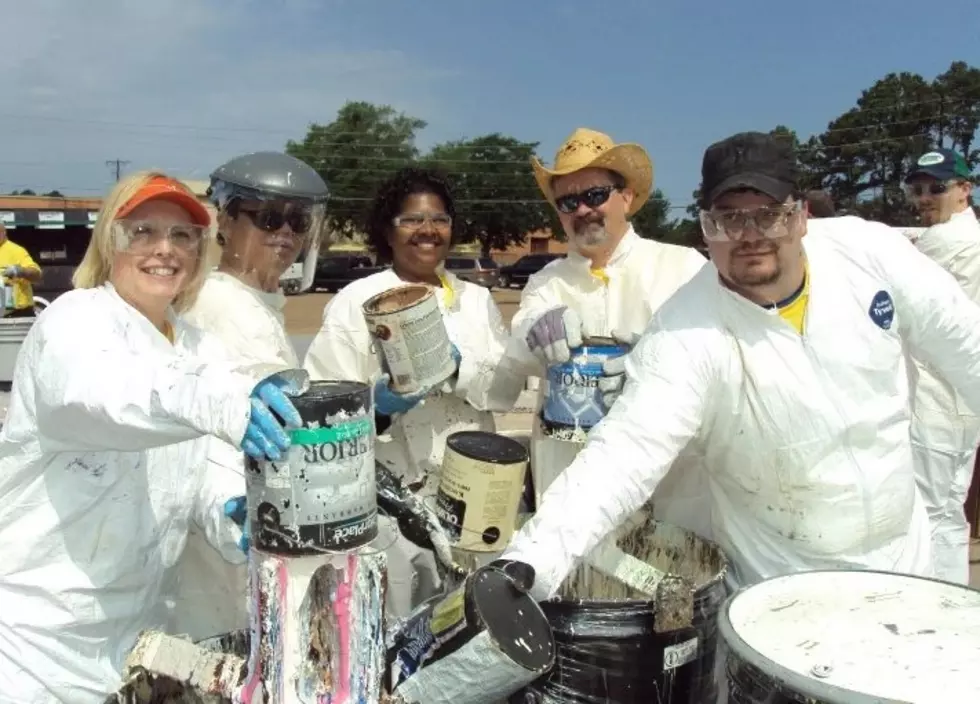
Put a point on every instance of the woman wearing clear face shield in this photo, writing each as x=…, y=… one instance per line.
x=411, y=227
x=102, y=457
x=270, y=211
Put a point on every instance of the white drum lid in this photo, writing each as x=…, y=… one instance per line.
x=884, y=635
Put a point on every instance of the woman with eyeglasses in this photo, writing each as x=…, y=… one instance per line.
x=102, y=456
x=411, y=228
x=270, y=211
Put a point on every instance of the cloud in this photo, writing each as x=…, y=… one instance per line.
x=181, y=84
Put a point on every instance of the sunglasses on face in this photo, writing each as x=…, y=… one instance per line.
x=300, y=220
x=415, y=221
x=591, y=198
x=935, y=188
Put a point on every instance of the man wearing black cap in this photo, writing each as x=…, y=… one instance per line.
x=782, y=363
x=945, y=430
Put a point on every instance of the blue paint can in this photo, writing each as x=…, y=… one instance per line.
x=574, y=398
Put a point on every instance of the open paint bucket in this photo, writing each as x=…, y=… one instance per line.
x=852, y=637
x=574, y=400
x=322, y=496
x=480, y=489
x=408, y=324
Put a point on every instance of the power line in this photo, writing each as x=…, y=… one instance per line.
x=117, y=164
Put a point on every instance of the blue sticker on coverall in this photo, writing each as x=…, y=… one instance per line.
x=882, y=310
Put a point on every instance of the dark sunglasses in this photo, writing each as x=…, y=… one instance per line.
x=935, y=188
x=300, y=220
x=592, y=198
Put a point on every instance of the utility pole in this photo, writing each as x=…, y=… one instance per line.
x=117, y=164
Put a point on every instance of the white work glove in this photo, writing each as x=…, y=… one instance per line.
x=553, y=336
x=614, y=370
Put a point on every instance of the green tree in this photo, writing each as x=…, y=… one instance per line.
x=54, y=194
x=958, y=94
x=497, y=199
x=363, y=146
x=652, y=221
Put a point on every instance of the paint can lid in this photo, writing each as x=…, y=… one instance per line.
x=325, y=398
x=487, y=447
x=513, y=619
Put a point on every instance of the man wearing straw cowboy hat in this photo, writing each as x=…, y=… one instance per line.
x=612, y=281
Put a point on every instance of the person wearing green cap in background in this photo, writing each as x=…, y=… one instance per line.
x=945, y=431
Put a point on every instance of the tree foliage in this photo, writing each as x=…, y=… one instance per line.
x=497, y=200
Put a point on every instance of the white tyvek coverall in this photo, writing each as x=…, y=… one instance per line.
x=806, y=438
x=642, y=275
x=945, y=430
x=212, y=593
x=102, y=469
x=414, y=445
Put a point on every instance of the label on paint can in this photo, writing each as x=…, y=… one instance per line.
x=574, y=398
x=478, y=501
x=414, y=340
x=322, y=495
x=680, y=654
x=427, y=632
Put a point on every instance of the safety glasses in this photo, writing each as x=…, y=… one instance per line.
x=592, y=198
x=730, y=225
x=415, y=221
x=272, y=219
x=143, y=235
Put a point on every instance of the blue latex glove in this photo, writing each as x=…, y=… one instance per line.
x=554, y=334
x=388, y=402
x=265, y=437
x=13, y=272
x=237, y=510
x=457, y=356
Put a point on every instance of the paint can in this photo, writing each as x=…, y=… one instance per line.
x=615, y=647
x=408, y=324
x=479, y=644
x=852, y=637
x=316, y=628
x=574, y=400
x=480, y=489
x=322, y=495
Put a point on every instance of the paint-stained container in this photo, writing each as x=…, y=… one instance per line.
x=322, y=495
x=408, y=324
x=852, y=637
x=477, y=645
x=480, y=489
x=613, y=645
x=574, y=399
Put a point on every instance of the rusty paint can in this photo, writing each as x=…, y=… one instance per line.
x=480, y=489
x=322, y=496
x=408, y=324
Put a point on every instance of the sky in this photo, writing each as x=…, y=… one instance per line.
x=184, y=85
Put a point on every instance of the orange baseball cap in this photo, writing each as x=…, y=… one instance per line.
x=171, y=190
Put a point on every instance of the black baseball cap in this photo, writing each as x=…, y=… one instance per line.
x=941, y=164
x=749, y=160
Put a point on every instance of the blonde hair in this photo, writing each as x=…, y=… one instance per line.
x=96, y=266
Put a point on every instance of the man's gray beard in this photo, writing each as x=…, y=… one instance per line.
x=591, y=236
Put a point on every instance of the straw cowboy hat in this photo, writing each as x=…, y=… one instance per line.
x=586, y=149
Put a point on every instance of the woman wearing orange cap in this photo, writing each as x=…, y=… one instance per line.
x=103, y=453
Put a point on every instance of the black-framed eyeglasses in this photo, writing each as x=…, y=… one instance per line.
x=299, y=219
x=591, y=197
x=935, y=188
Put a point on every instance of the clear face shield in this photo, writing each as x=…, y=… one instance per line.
x=269, y=237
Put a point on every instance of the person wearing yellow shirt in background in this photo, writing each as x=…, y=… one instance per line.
x=19, y=272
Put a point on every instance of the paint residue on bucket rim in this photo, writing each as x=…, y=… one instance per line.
x=487, y=447
x=396, y=299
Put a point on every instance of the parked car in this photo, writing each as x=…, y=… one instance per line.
x=335, y=271
x=478, y=270
x=516, y=274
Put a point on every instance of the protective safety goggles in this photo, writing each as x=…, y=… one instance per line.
x=142, y=236
x=771, y=222
x=415, y=221
x=272, y=218
x=591, y=198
